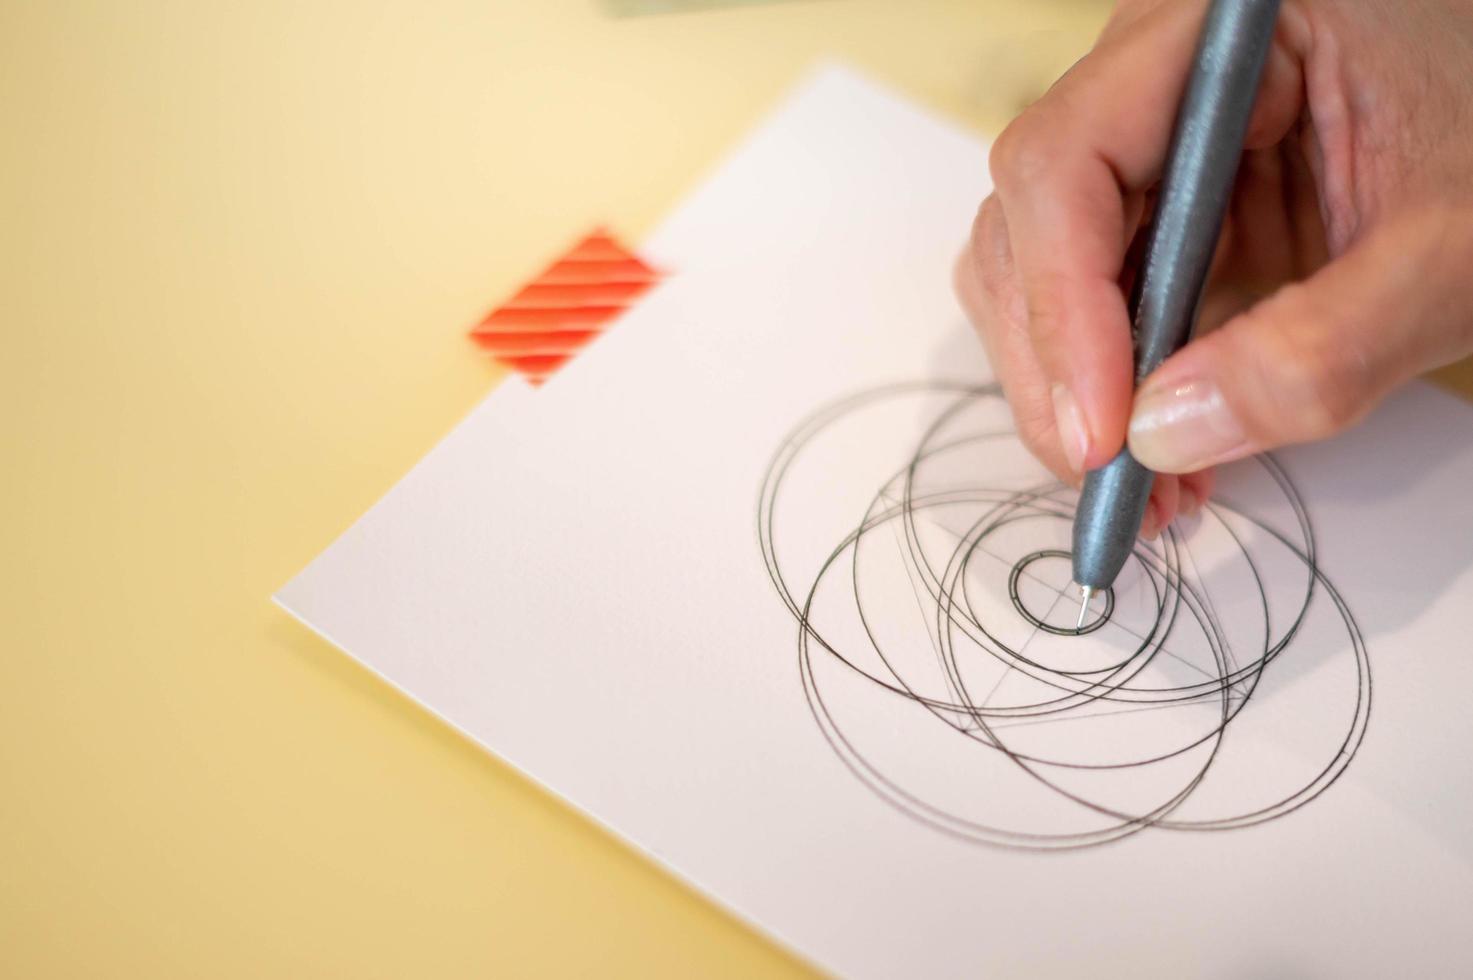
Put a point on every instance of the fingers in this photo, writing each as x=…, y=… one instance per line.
x=1070, y=176
x=1161, y=507
x=1063, y=173
x=988, y=292
x=1281, y=99
x=1041, y=279
x=1273, y=235
x=1315, y=357
x=1174, y=496
x=1196, y=490
x=1011, y=355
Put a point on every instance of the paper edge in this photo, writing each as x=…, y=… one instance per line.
x=812, y=76
x=719, y=904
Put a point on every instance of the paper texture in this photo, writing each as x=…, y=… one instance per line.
x=589, y=580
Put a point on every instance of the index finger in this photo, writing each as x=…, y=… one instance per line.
x=1064, y=172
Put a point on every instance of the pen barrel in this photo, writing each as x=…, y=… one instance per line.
x=1196, y=189
x=1197, y=182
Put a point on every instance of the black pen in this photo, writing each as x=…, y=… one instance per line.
x=1196, y=188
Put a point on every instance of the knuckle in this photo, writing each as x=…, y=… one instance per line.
x=987, y=226
x=1047, y=312
x=987, y=231
x=1034, y=419
x=992, y=268
x=1042, y=442
x=1021, y=154
x=1323, y=408
x=1323, y=385
x=1001, y=154
x=995, y=279
x=1348, y=382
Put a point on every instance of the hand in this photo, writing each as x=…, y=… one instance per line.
x=1345, y=268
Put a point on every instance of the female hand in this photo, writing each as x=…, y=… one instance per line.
x=1345, y=267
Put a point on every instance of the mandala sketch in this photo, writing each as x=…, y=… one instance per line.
x=1220, y=684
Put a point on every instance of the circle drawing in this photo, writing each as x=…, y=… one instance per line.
x=924, y=559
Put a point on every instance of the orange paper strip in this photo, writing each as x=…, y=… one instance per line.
x=570, y=303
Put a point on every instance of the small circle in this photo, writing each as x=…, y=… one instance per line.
x=1090, y=625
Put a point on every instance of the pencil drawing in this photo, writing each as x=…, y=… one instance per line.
x=939, y=653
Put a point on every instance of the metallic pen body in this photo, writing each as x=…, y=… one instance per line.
x=1196, y=189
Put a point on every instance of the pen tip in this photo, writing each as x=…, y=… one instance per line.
x=1085, y=593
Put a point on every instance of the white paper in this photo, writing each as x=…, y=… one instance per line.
x=575, y=579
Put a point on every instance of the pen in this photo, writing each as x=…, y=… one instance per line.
x=1196, y=188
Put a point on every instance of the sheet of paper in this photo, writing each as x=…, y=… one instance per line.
x=602, y=581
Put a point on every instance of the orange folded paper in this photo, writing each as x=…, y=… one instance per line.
x=574, y=300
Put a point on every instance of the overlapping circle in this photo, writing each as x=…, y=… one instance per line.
x=988, y=653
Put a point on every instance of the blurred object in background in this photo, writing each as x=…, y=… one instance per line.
x=564, y=307
x=636, y=8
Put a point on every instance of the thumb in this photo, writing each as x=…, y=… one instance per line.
x=1316, y=357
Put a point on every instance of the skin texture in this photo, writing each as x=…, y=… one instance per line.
x=1345, y=267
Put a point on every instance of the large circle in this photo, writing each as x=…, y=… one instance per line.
x=970, y=548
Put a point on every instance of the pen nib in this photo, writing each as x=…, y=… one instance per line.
x=1085, y=592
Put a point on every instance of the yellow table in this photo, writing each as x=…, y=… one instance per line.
x=241, y=246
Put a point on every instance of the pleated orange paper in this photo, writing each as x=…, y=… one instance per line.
x=559, y=312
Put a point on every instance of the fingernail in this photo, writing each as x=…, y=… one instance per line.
x=1189, y=503
x=1184, y=427
x=1070, y=423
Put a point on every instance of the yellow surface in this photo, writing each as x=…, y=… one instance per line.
x=241, y=244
